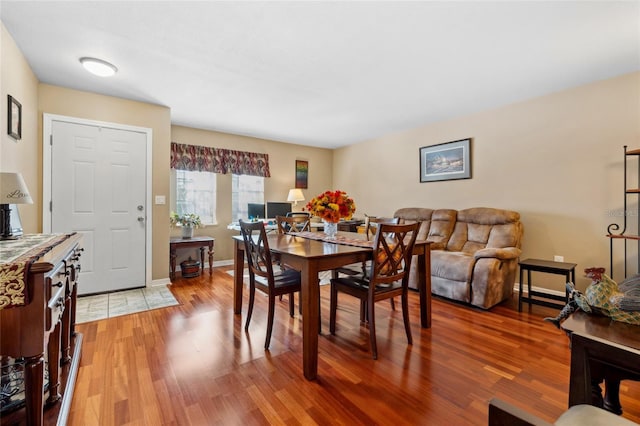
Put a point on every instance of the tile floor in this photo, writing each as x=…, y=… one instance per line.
x=101, y=306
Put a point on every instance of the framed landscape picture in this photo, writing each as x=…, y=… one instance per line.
x=446, y=161
x=302, y=174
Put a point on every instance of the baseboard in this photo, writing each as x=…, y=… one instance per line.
x=516, y=288
x=161, y=281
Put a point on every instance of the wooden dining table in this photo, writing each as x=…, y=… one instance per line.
x=310, y=256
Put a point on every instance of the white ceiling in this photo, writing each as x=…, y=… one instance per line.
x=322, y=73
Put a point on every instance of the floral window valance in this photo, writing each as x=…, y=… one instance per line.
x=217, y=160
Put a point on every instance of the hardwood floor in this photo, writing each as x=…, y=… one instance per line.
x=193, y=364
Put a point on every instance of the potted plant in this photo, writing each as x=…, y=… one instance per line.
x=187, y=221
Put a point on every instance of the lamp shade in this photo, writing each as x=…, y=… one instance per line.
x=295, y=195
x=13, y=190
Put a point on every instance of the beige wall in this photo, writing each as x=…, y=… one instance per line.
x=282, y=158
x=91, y=106
x=24, y=155
x=557, y=160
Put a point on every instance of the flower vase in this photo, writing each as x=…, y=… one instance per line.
x=187, y=232
x=330, y=229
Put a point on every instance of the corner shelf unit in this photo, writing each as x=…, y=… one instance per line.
x=613, y=230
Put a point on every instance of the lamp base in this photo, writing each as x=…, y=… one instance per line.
x=5, y=223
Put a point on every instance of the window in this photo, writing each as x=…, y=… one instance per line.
x=245, y=189
x=194, y=192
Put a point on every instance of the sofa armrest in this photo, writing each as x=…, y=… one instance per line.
x=438, y=246
x=504, y=414
x=506, y=253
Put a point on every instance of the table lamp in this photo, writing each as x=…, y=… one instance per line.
x=13, y=190
x=295, y=195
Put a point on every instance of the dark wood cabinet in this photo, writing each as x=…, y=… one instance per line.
x=44, y=329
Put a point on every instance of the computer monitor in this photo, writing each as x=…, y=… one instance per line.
x=255, y=211
x=277, y=209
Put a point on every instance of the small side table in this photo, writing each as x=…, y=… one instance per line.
x=549, y=267
x=201, y=242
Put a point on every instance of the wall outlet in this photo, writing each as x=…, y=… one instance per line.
x=557, y=258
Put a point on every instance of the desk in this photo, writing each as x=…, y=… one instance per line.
x=179, y=243
x=601, y=349
x=310, y=257
x=549, y=267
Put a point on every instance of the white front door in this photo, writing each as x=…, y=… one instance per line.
x=98, y=188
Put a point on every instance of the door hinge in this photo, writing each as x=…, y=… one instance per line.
x=51, y=139
x=51, y=206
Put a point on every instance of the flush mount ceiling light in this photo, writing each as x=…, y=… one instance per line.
x=98, y=67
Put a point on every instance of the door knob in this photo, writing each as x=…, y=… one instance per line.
x=140, y=219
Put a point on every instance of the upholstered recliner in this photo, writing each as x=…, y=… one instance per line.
x=474, y=255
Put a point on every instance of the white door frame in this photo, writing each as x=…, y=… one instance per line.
x=47, y=123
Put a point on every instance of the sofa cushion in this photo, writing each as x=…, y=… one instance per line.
x=482, y=227
x=453, y=265
x=437, y=225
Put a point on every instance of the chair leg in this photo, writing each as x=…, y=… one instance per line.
x=393, y=304
x=291, y=307
x=372, y=328
x=405, y=316
x=272, y=306
x=332, y=309
x=252, y=296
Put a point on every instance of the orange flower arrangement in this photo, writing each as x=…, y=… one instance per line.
x=332, y=206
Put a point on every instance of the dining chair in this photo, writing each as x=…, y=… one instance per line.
x=262, y=275
x=287, y=224
x=300, y=214
x=388, y=276
x=355, y=269
x=293, y=224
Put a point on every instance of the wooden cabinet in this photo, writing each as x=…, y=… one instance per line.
x=44, y=328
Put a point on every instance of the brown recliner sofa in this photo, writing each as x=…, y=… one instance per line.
x=474, y=255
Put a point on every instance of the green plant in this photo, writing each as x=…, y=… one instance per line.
x=189, y=219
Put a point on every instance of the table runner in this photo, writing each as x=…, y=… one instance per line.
x=339, y=239
x=16, y=256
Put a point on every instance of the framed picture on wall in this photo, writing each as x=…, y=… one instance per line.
x=14, y=119
x=446, y=161
x=302, y=174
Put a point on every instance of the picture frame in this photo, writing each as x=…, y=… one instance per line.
x=14, y=119
x=302, y=174
x=446, y=161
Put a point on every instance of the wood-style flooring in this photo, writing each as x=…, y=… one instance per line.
x=194, y=364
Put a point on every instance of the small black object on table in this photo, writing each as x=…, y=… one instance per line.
x=549, y=267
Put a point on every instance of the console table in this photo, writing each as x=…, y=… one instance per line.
x=180, y=243
x=39, y=318
x=601, y=349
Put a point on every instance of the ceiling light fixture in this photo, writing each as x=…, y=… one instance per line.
x=98, y=67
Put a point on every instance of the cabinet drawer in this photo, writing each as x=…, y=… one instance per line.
x=55, y=307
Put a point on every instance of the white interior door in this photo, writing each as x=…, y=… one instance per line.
x=98, y=188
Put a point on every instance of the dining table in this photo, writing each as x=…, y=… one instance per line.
x=311, y=253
